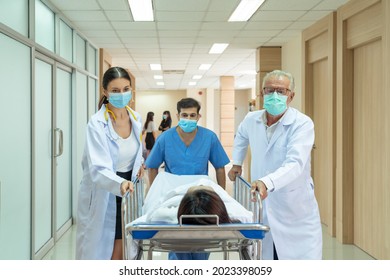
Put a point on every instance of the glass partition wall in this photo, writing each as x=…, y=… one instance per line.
x=50, y=71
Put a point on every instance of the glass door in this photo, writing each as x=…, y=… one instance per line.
x=62, y=150
x=42, y=158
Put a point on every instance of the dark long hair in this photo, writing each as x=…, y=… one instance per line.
x=149, y=118
x=203, y=202
x=112, y=74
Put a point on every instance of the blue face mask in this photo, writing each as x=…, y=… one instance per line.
x=119, y=100
x=188, y=125
x=275, y=104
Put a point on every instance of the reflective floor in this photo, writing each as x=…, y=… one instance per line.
x=332, y=249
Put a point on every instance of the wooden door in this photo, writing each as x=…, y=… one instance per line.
x=363, y=124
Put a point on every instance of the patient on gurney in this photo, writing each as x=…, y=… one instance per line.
x=171, y=196
x=200, y=200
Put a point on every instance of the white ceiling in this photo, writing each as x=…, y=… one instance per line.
x=183, y=32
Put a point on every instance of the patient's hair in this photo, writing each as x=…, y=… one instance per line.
x=203, y=201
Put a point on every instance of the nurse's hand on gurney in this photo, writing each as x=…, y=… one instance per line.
x=126, y=186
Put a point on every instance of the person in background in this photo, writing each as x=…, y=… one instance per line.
x=112, y=159
x=150, y=131
x=281, y=140
x=166, y=122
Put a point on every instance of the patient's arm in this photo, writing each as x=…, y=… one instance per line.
x=152, y=172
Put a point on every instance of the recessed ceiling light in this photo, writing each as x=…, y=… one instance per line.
x=197, y=77
x=192, y=83
x=160, y=83
x=155, y=66
x=204, y=66
x=158, y=77
x=218, y=48
x=245, y=10
x=142, y=10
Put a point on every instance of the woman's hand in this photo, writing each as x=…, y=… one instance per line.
x=126, y=186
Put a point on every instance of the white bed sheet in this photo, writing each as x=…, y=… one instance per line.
x=164, y=196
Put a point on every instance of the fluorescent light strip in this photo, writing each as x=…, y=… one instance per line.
x=155, y=66
x=204, y=67
x=142, y=10
x=197, y=77
x=218, y=48
x=160, y=83
x=245, y=10
x=192, y=83
x=158, y=77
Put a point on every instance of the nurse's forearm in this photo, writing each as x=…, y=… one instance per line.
x=152, y=172
x=221, y=177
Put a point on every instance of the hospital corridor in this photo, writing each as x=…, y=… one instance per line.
x=288, y=97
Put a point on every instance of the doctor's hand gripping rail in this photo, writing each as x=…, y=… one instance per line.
x=242, y=193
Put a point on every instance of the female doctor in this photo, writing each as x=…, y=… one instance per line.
x=112, y=159
x=281, y=140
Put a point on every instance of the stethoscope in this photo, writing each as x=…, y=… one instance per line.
x=108, y=111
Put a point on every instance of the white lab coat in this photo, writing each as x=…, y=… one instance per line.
x=290, y=210
x=96, y=215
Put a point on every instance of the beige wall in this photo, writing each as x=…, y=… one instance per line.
x=292, y=62
x=158, y=101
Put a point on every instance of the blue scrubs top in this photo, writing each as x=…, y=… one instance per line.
x=192, y=160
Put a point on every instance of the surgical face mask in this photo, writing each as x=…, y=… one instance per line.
x=275, y=104
x=188, y=125
x=164, y=117
x=119, y=100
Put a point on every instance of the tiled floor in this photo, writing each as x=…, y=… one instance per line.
x=332, y=249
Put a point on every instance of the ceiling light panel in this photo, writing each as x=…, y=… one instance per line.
x=245, y=10
x=218, y=48
x=142, y=10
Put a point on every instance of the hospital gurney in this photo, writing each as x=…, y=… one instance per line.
x=243, y=238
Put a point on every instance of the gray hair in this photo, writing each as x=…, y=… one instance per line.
x=278, y=74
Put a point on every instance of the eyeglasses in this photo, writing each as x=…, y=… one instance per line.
x=280, y=91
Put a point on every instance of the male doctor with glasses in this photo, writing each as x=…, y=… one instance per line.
x=281, y=139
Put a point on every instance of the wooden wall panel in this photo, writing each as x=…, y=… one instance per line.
x=317, y=48
x=364, y=27
x=319, y=89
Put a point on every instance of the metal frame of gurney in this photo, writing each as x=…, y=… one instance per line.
x=243, y=238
